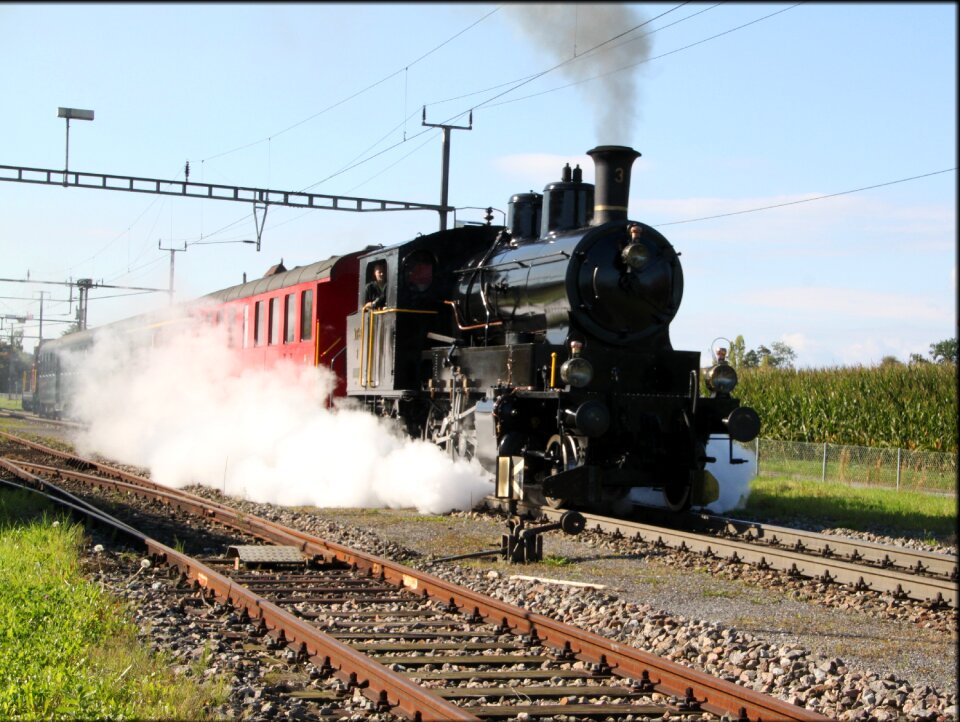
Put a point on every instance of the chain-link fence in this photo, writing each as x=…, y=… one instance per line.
x=895, y=468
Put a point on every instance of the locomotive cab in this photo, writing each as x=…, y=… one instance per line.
x=385, y=344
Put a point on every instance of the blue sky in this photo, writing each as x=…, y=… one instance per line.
x=735, y=107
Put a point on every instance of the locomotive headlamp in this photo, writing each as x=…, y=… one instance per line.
x=635, y=255
x=721, y=379
x=576, y=371
x=592, y=418
x=743, y=424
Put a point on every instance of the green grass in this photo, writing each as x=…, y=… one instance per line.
x=878, y=468
x=10, y=404
x=863, y=508
x=66, y=649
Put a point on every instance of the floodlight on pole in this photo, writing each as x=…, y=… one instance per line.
x=68, y=114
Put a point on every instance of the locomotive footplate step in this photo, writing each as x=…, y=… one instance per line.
x=263, y=555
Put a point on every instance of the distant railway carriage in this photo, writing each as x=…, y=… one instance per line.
x=541, y=348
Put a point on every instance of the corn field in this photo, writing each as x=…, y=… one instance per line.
x=913, y=408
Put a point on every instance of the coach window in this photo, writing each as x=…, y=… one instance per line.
x=274, y=320
x=235, y=320
x=259, y=325
x=290, y=325
x=228, y=325
x=306, y=315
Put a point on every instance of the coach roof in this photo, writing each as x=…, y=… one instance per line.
x=321, y=270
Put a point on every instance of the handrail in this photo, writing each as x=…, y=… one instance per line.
x=367, y=333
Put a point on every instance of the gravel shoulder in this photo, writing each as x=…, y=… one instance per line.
x=778, y=612
x=852, y=657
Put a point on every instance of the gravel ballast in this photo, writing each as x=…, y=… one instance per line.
x=872, y=659
x=849, y=656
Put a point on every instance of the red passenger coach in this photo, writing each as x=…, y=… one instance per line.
x=297, y=315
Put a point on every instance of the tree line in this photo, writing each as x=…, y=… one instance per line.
x=780, y=355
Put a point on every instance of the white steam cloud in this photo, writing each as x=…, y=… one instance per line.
x=569, y=33
x=187, y=411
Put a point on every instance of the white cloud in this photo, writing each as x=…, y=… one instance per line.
x=799, y=342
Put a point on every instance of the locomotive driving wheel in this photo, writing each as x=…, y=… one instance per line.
x=452, y=429
x=565, y=452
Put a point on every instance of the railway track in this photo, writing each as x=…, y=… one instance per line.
x=863, y=566
x=412, y=643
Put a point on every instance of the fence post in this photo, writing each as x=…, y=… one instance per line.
x=757, y=470
x=898, y=468
x=823, y=474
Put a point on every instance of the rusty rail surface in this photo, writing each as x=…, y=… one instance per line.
x=861, y=565
x=709, y=693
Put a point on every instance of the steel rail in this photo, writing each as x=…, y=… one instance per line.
x=900, y=584
x=379, y=683
x=711, y=694
x=918, y=561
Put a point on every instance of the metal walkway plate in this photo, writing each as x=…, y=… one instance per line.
x=266, y=554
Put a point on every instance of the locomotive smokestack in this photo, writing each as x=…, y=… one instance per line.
x=613, y=163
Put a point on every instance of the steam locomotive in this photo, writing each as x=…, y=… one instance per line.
x=541, y=349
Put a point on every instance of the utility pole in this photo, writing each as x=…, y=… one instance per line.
x=41, y=315
x=83, y=287
x=445, y=168
x=172, y=252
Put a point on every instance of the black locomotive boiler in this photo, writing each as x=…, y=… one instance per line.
x=542, y=350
